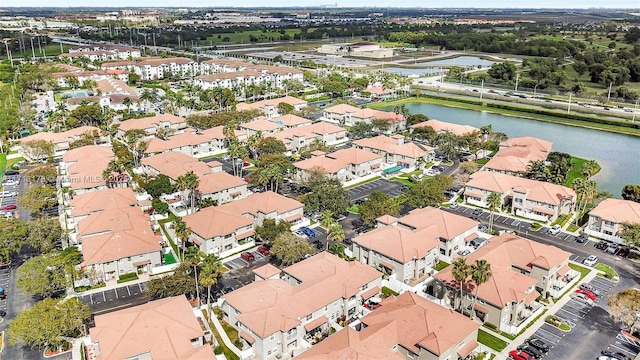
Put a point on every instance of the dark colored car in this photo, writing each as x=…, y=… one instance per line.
x=263, y=250
x=530, y=350
x=477, y=212
x=538, y=344
x=520, y=355
x=3, y=313
x=248, y=256
x=347, y=241
x=615, y=355
x=601, y=245
x=11, y=172
x=582, y=238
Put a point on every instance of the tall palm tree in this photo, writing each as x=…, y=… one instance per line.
x=327, y=219
x=127, y=102
x=460, y=272
x=579, y=185
x=211, y=270
x=480, y=274
x=182, y=232
x=336, y=232
x=189, y=183
x=494, y=201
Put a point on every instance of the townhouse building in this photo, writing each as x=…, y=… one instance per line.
x=219, y=141
x=261, y=125
x=522, y=270
x=607, y=219
x=189, y=143
x=442, y=126
x=81, y=169
x=528, y=198
x=63, y=79
x=396, y=150
x=406, y=249
x=349, y=115
x=345, y=165
x=229, y=228
x=121, y=52
x=223, y=66
x=167, y=123
x=269, y=107
x=160, y=329
x=285, y=314
x=61, y=141
x=515, y=155
x=403, y=328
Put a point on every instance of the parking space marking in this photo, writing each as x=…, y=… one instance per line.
x=547, y=335
x=129, y=291
x=104, y=296
x=568, y=312
x=515, y=222
x=633, y=354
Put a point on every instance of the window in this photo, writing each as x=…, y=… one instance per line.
x=365, y=286
x=273, y=337
x=309, y=317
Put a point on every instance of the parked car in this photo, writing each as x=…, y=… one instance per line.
x=8, y=207
x=555, y=229
x=310, y=233
x=464, y=252
x=612, y=248
x=10, y=183
x=581, y=298
x=538, y=344
x=587, y=286
x=615, y=355
x=601, y=245
x=530, y=350
x=263, y=250
x=520, y=355
x=591, y=260
x=248, y=256
x=582, y=238
x=478, y=242
x=477, y=212
x=12, y=172
x=453, y=205
x=586, y=293
x=3, y=294
x=3, y=313
x=482, y=227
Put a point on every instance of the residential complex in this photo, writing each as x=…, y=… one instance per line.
x=515, y=155
x=608, y=218
x=344, y=165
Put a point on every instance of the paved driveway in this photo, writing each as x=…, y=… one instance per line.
x=115, y=299
x=392, y=188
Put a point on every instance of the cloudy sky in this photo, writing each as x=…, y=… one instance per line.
x=380, y=3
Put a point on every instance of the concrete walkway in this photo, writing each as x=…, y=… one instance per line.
x=223, y=335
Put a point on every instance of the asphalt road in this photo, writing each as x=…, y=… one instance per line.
x=594, y=330
x=116, y=299
x=393, y=188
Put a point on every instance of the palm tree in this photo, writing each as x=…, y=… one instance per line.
x=127, y=102
x=460, y=272
x=494, y=201
x=147, y=97
x=189, y=182
x=336, y=232
x=211, y=270
x=480, y=274
x=327, y=219
x=182, y=232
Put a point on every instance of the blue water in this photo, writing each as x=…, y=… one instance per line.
x=617, y=154
x=420, y=72
x=460, y=61
x=77, y=94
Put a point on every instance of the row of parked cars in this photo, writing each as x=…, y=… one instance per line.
x=531, y=349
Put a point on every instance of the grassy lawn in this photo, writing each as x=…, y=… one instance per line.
x=581, y=269
x=10, y=162
x=50, y=50
x=354, y=209
x=244, y=37
x=440, y=265
x=576, y=170
x=232, y=333
x=557, y=322
x=608, y=271
x=402, y=180
x=491, y=341
x=230, y=355
x=3, y=163
x=169, y=259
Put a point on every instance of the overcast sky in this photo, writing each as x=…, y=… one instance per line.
x=282, y=3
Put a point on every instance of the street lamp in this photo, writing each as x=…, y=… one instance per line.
x=535, y=88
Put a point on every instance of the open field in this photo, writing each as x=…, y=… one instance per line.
x=50, y=50
x=244, y=37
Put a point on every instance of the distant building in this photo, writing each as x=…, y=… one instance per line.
x=361, y=49
x=608, y=218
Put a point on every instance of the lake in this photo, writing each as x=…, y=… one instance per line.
x=421, y=72
x=460, y=61
x=617, y=154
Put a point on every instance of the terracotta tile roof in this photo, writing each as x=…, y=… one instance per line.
x=86, y=166
x=372, y=343
x=266, y=271
x=110, y=64
x=516, y=153
x=391, y=146
x=212, y=221
x=422, y=323
x=119, y=234
x=353, y=156
x=315, y=323
x=273, y=305
x=217, y=133
x=165, y=61
x=264, y=202
x=64, y=136
x=371, y=292
x=115, y=85
x=536, y=190
x=291, y=120
x=151, y=122
x=228, y=62
x=440, y=126
x=366, y=113
x=175, y=164
x=106, y=199
x=464, y=351
x=163, y=328
x=261, y=125
x=327, y=165
x=248, y=73
x=618, y=211
x=387, y=219
x=442, y=223
x=155, y=145
x=216, y=182
x=270, y=102
x=323, y=127
x=342, y=109
x=398, y=243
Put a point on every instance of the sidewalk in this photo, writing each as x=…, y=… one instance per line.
x=513, y=344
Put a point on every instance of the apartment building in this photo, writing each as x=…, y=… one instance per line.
x=397, y=151
x=406, y=249
x=442, y=126
x=522, y=270
x=608, y=218
x=349, y=115
x=61, y=141
x=403, y=328
x=345, y=165
x=167, y=123
x=63, y=79
x=515, y=155
x=269, y=107
x=528, y=198
x=81, y=169
x=287, y=314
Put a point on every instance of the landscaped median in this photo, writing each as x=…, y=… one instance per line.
x=607, y=271
x=557, y=322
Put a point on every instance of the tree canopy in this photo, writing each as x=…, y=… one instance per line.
x=325, y=193
x=630, y=234
x=289, y=248
x=181, y=282
x=624, y=306
x=269, y=231
x=378, y=204
x=631, y=192
x=45, y=275
x=38, y=199
x=429, y=191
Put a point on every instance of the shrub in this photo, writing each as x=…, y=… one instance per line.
x=218, y=350
x=386, y=292
x=491, y=326
x=127, y=277
x=218, y=312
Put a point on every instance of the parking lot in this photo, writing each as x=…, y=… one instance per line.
x=582, y=319
x=115, y=298
x=13, y=186
x=5, y=274
x=239, y=262
x=392, y=188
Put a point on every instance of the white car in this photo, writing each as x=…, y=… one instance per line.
x=7, y=193
x=591, y=260
x=555, y=229
x=581, y=298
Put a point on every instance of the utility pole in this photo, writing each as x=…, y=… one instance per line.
x=6, y=45
x=609, y=95
x=569, y=107
x=517, y=79
x=33, y=52
x=481, y=89
x=635, y=110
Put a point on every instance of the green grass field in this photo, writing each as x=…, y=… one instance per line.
x=244, y=37
x=50, y=50
x=491, y=341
